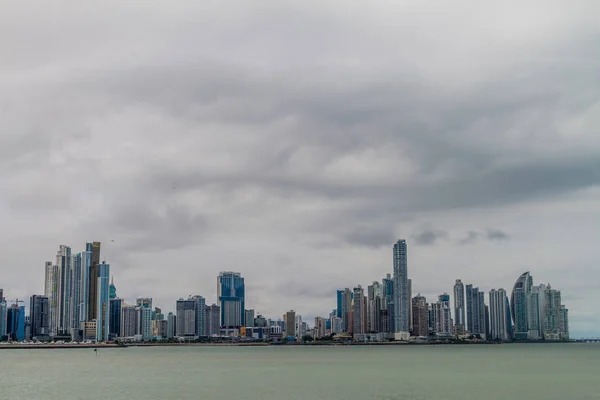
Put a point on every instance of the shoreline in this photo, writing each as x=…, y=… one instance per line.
x=250, y=344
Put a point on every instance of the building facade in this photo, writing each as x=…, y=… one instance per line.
x=102, y=303
x=460, y=324
x=39, y=315
x=497, y=306
x=401, y=292
x=231, y=297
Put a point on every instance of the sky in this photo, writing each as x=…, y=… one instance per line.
x=296, y=141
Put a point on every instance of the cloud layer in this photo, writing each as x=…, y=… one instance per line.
x=296, y=142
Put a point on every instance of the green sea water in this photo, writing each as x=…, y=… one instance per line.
x=471, y=372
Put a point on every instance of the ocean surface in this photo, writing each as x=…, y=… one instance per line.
x=451, y=372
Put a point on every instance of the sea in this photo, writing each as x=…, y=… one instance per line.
x=428, y=372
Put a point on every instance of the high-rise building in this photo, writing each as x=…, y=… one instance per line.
x=15, y=325
x=3, y=320
x=552, y=314
x=92, y=303
x=484, y=316
x=249, y=318
x=1, y=294
x=114, y=326
x=213, y=324
x=129, y=322
x=497, y=307
x=442, y=316
x=410, y=314
x=519, y=305
x=186, y=318
x=290, y=323
x=420, y=316
x=81, y=286
x=39, y=315
x=200, y=309
x=563, y=323
x=145, y=323
x=102, y=302
x=231, y=295
x=347, y=310
x=171, y=326
x=475, y=308
x=50, y=292
x=460, y=325
x=388, y=305
x=374, y=294
x=340, y=303
x=64, y=286
x=401, y=300
x=358, y=312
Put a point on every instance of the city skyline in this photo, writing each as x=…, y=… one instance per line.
x=537, y=311
x=298, y=159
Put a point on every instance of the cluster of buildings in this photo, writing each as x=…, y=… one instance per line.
x=388, y=310
x=80, y=303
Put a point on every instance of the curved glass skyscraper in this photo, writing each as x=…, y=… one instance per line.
x=519, y=305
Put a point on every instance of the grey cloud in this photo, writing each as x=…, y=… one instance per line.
x=496, y=235
x=429, y=237
x=217, y=139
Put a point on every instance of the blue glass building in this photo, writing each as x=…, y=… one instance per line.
x=15, y=323
x=114, y=326
x=231, y=295
x=103, y=310
x=340, y=303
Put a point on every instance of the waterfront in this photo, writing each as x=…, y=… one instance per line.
x=511, y=371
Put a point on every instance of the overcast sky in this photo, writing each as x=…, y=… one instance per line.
x=296, y=141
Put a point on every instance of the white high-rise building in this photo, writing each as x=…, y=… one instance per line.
x=401, y=291
x=460, y=324
x=51, y=291
x=498, y=317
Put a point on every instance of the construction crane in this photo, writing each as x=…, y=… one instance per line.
x=15, y=302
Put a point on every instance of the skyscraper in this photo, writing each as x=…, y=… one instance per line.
x=358, y=323
x=102, y=303
x=290, y=323
x=92, y=303
x=459, y=308
x=374, y=293
x=143, y=304
x=420, y=316
x=114, y=326
x=200, y=309
x=213, y=315
x=401, y=300
x=171, y=325
x=64, y=286
x=231, y=295
x=249, y=318
x=442, y=316
x=519, y=305
x=50, y=292
x=340, y=303
x=552, y=314
x=497, y=307
x=186, y=318
x=347, y=310
x=388, y=305
x=3, y=319
x=129, y=323
x=563, y=323
x=476, y=324
x=39, y=315
x=15, y=325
